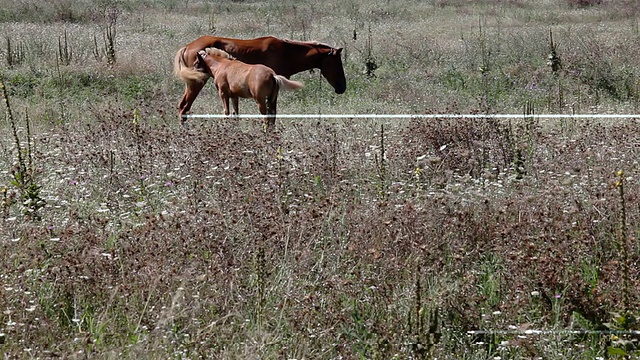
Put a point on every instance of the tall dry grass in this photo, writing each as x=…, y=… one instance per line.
x=367, y=238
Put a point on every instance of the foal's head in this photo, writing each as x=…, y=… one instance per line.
x=201, y=64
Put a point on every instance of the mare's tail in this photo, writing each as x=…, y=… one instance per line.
x=186, y=73
x=286, y=84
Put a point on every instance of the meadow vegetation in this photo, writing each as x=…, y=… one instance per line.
x=125, y=235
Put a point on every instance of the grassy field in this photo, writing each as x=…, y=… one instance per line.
x=125, y=235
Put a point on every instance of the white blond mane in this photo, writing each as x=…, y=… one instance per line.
x=218, y=52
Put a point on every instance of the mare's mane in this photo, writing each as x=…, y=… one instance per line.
x=316, y=44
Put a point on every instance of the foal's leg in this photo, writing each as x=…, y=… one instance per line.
x=191, y=91
x=225, y=102
x=272, y=102
x=262, y=107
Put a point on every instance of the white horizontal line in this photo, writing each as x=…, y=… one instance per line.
x=547, y=332
x=421, y=116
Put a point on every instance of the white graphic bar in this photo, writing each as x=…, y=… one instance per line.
x=420, y=116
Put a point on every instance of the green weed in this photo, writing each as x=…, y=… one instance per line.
x=221, y=241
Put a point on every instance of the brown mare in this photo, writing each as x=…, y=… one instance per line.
x=285, y=57
x=235, y=79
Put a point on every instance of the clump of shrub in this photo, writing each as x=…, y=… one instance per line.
x=583, y=3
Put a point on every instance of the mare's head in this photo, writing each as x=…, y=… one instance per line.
x=332, y=70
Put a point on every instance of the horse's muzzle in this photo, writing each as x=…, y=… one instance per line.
x=341, y=89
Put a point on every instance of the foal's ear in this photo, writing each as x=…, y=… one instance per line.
x=336, y=51
x=197, y=60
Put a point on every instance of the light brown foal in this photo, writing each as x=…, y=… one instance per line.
x=235, y=79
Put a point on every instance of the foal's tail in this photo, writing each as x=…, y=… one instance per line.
x=184, y=72
x=286, y=84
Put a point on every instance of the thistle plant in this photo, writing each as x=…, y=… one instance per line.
x=370, y=62
x=623, y=242
x=22, y=172
x=381, y=165
x=138, y=136
x=108, y=50
x=110, y=36
x=14, y=55
x=554, y=61
x=212, y=23
x=65, y=54
x=425, y=327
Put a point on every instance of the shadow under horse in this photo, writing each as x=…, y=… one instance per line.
x=285, y=57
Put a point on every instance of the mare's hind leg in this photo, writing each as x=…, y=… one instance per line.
x=234, y=101
x=191, y=91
